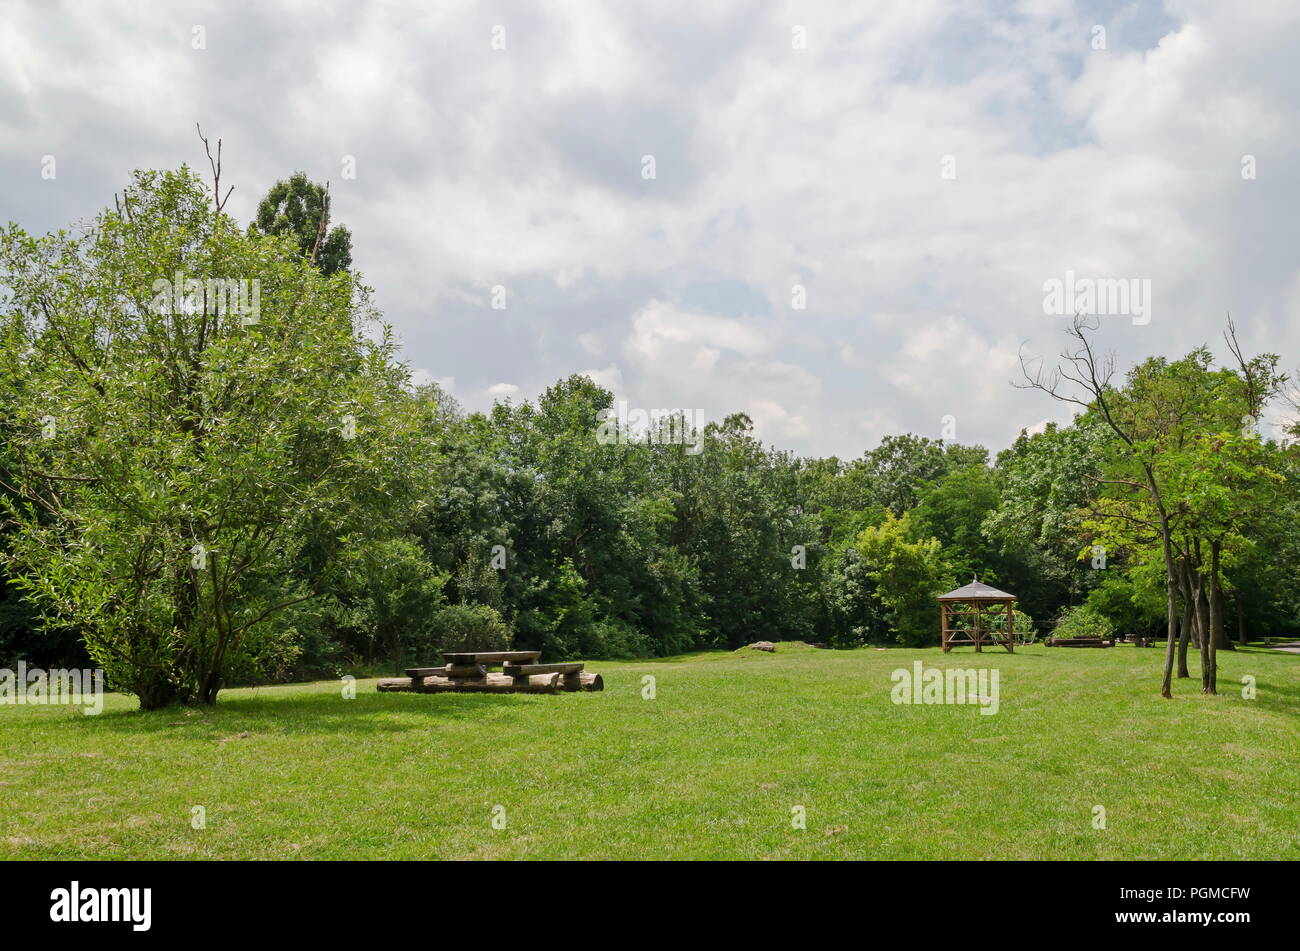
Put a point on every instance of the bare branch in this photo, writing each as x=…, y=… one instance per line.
x=216, y=171
x=324, y=220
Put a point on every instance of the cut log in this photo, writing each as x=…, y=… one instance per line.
x=527, y=670
x=584, y=680
x=492, y=657
x=494, y=683
x=491, y=683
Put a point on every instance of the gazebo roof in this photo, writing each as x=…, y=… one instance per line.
x=977, y=591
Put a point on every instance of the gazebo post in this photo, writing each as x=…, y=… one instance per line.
x=979, y=638
x=1011, y=629
x=943, y=625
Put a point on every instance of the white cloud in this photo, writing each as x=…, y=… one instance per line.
x=775, y=166
x=611, y=378
x=662, y=330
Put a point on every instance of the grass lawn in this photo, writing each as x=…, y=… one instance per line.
x=710, y=768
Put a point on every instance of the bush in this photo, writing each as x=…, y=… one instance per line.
x=1133, y=605
x=611, y=637
x=1083, y=621
x=471, y=628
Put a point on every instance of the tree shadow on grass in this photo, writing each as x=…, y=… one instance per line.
x=368, y=713
x=1274, y=696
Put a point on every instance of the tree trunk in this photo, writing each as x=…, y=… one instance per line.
x=1209, y=679
x=1184, y=637
x=1171, y=591
x=1203, y=638
x=1218, y=625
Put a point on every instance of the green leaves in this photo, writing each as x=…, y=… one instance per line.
x=908, y=575
x=197, y=379
x=300, y=210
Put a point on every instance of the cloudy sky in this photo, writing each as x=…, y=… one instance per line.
x=919, y=169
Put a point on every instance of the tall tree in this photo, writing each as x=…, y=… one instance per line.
x=299, y=209
x=1159, y=421
x=188, y=402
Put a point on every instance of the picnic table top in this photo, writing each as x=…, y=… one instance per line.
x=491, y=657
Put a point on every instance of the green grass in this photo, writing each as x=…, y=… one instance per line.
x=710, y=768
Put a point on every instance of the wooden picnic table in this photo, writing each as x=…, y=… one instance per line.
x=467, y=672
x=492, y=657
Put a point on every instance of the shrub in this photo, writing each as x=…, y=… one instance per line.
x=610, y=637
x=1083, y=621
x=471, y=627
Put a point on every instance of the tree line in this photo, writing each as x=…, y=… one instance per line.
x=204, y=488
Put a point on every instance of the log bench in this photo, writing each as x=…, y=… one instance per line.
x=526, y=670
x=449, y=670
x=573, y=674
x=467, y=672
x=492, y=658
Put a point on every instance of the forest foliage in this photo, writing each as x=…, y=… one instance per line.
x=234, y=480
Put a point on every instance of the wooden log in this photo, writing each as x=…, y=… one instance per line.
x=584, y=680
x=527, y=670
x=492, y=657
x=552, y=682
x=491, y=683
x=465, y=670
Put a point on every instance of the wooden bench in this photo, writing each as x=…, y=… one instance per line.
x=492, y=658
x=467, y=671
x=527, y=670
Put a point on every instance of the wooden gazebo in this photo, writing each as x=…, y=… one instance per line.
x=967, y=605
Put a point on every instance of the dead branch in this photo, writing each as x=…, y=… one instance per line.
x=324, y=221
x=216, y=171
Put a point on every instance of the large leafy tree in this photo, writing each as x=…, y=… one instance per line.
x=901, y=466
x=172, y=446
x=908, y=575
x=953, y=510
x=1158, y=478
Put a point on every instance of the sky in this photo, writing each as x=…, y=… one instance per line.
x=841, y=219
